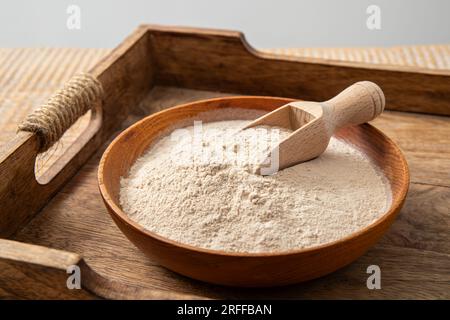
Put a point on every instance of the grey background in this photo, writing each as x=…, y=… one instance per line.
x=266, y=24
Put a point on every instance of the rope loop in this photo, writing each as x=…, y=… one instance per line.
x=52, y=119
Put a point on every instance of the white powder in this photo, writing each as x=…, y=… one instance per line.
x=217, y=203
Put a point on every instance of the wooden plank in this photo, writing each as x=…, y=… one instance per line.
x=223, y=61
x=424, y=221
x=34, y=272
x=405, y=274
x=425, y=141
x=416, y=244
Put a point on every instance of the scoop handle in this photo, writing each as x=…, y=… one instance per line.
x=359, y=103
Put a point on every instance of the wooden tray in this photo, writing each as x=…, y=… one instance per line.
x=47, y=228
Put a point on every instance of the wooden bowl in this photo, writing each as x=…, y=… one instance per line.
x=245, y=269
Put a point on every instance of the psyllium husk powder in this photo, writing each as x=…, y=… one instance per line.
x=198, y=186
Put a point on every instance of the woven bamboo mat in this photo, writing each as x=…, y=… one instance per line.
x=29, y=75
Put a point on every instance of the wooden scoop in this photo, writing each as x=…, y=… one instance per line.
x=314, y=123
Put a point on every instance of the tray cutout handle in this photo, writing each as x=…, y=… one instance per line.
x=80, y=97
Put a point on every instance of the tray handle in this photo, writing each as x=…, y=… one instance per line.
x=30, y=271
x=126, y=75
x=59, y=113
x=22, y=193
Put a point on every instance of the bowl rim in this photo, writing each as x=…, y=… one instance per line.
x=123, y=217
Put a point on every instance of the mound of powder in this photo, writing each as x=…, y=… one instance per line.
x=200, y=189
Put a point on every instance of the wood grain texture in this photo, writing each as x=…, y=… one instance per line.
x=197, y=61
x=425, y=142
x=35, y=272
x=413, y=255
x=424, y=222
